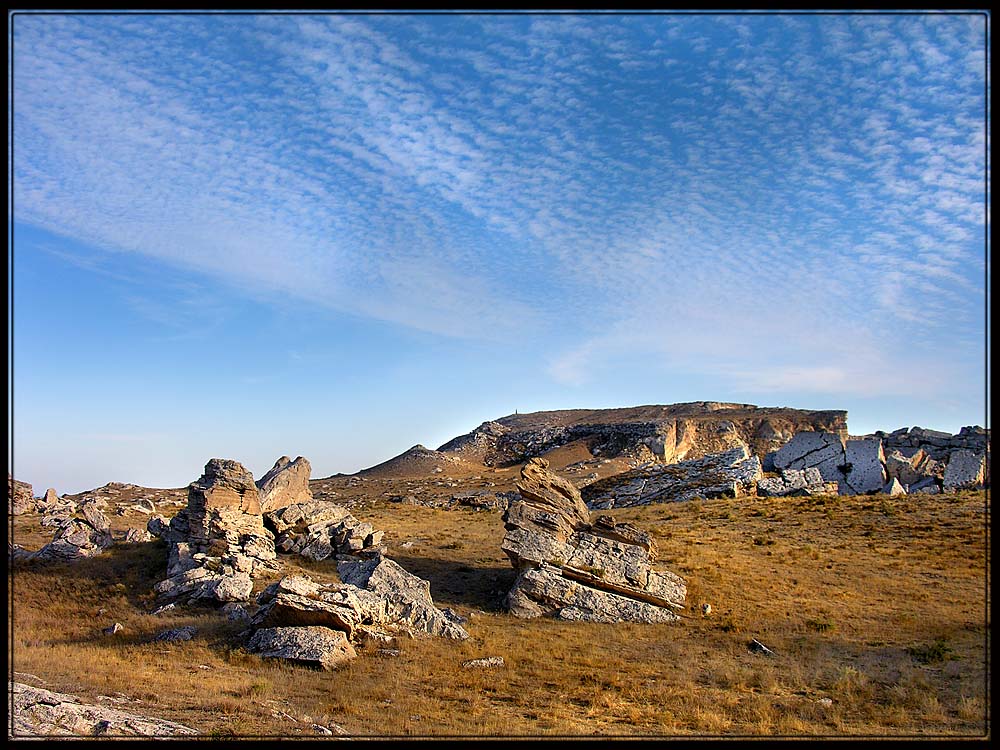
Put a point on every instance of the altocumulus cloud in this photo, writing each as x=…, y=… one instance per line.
x=752, y=195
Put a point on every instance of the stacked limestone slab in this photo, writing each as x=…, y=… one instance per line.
x=575, y=569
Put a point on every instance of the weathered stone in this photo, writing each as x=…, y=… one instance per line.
x=311, y=645
x=912, y=468
x=792, y=482
x=287, y=483
x=570, y=568
x=43, y=713
x=135, y=536
x=965, y=471
x=894, y=488
x=731, y=473
x=20, y=497
x=820, y=450
x=866, y=467
x=927, y=486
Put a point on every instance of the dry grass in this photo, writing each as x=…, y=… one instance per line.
x=876, y=611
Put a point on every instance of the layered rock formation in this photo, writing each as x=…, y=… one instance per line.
x=796, y=482
x=665, y=434
x=287, y=483
x=320, y=529
x=728, y=474
x=575, y=569
x=218, y=544
x=42, y=713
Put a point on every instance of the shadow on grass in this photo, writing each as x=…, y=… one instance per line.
x=458, y=583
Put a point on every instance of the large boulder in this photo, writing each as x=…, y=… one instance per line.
x=731, y=473
x=575, y=569
x=914, y=468
x=319, y=529
x=217, y=544
x=966, y=470
x=20, y=497
x=285, y=484
x=310, y=645
x=42, y=713
x=864, y=462
x=823, y=451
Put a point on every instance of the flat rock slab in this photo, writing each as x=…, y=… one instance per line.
x=965, y=471
x=866, y=472
x=311, y=645
x=820, y=450
x=40, y=713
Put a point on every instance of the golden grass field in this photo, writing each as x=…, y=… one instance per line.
x=876, y=608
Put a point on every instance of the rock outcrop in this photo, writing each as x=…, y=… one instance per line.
x=965, y=470
x=287, y=483
x=84, y=535
x=320, y=529
x=823, y=451
x=218, y=543
x=20, y=497
x=575, y=569
x=728, y=474
x=42, y=713
x=864, y=467
x=664, y=434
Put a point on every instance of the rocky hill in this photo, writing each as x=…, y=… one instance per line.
x=660, y=433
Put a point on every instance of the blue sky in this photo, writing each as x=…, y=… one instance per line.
x=337, y=236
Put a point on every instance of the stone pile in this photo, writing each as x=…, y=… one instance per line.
x=218, y=543
x=574, y=569
x=319, y=529
x=320, y=623
x=83, y=535
x=731, y=473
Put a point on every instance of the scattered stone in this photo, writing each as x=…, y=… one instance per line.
x=185, y=633
x=113, y=629
x=137, y=536
x=573, y=569
x=486, y=662
x=390, y=653
x=928, y=486
x=287, y=483
x=235, y=612
x=40, y=713
x=310, y=645
x=706, y=609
